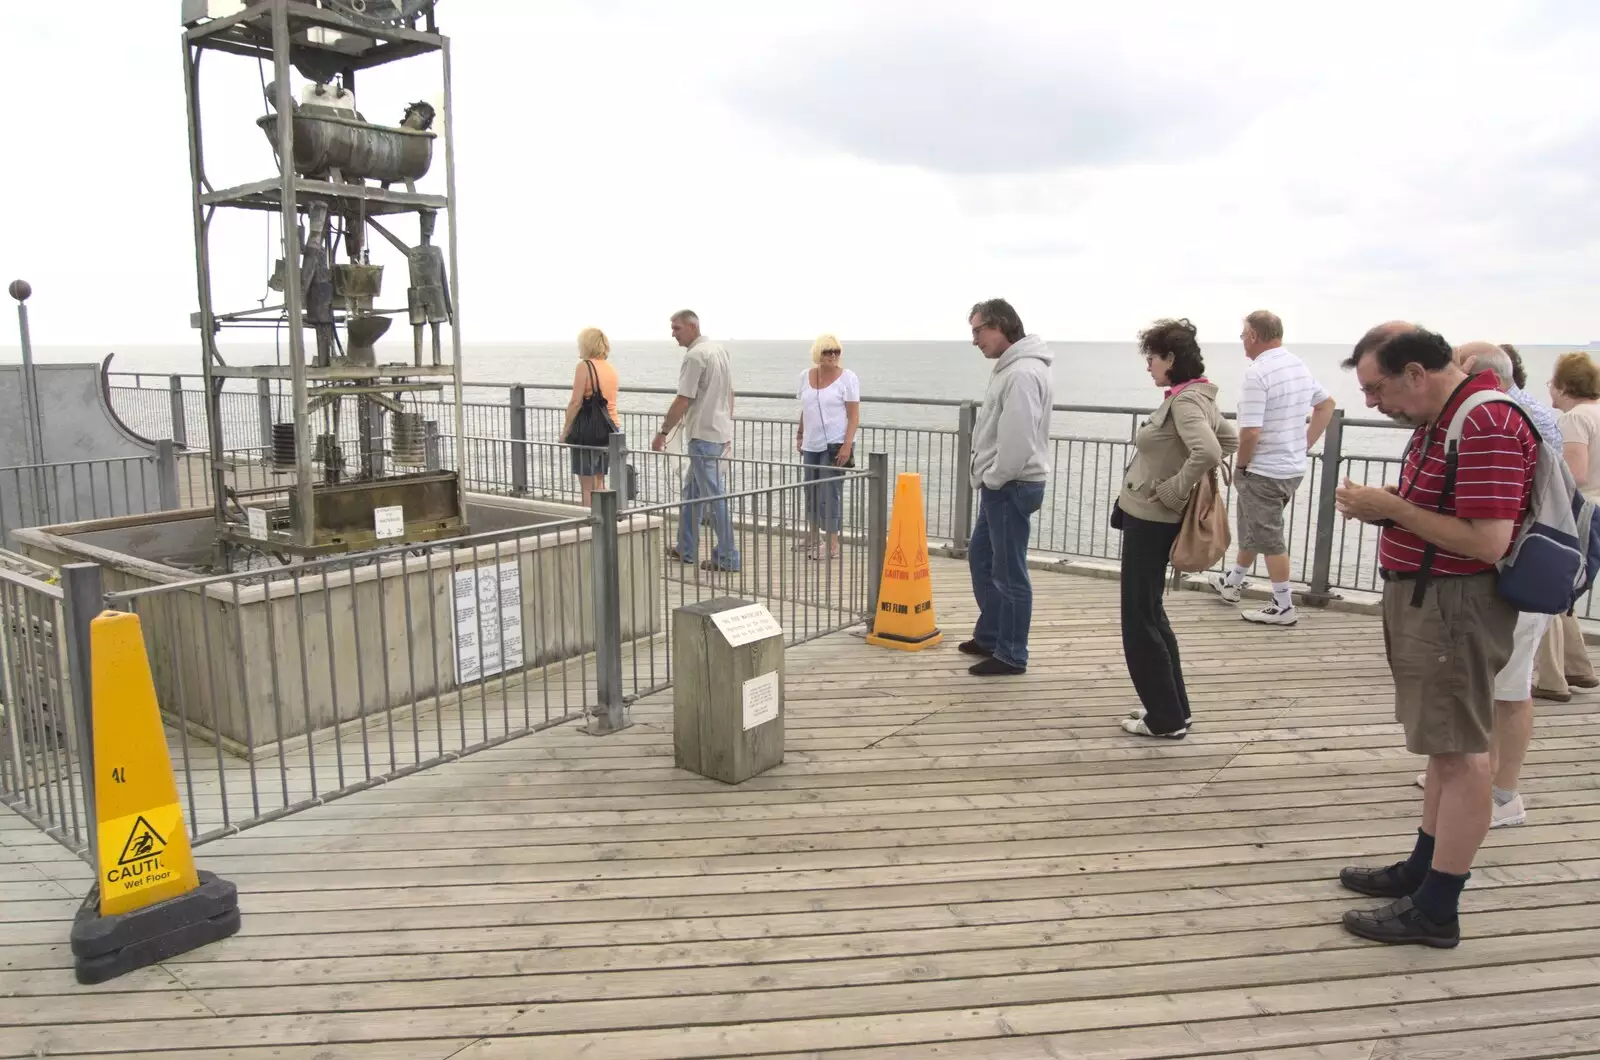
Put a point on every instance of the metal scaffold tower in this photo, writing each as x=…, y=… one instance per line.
x=340, y=178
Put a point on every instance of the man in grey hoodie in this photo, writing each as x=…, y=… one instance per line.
x=1010, y=462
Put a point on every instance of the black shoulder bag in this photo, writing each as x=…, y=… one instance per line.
x=592, y=426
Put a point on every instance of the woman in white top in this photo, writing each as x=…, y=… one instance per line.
x=830, y=412
x=1563, y=662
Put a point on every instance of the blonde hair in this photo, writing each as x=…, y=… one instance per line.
x=824, y=342
x=593, y=345
x=1577, y=376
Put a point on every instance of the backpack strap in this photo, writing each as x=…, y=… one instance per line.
x=1458, y=422
x=1452, y=445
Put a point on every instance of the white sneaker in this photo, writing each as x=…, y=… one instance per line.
x=1422, y=780
x=1137, y=727
x=1273, y=615
x=1139, y=713
x=1511, y=813
x=1230, y=593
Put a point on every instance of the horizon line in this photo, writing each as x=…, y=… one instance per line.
x=113, y=348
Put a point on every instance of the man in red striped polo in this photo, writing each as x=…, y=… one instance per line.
x=1446, y=629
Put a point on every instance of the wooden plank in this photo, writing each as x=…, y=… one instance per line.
x=942, y=867
x=720, y=1025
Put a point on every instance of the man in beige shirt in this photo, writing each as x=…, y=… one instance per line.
x=704, y=406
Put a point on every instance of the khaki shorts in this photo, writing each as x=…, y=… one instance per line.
x=1444, y=657
x=1261, y=504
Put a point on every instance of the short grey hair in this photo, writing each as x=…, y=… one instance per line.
x=686, y=316
x=1497, y=361
x=1267, y=326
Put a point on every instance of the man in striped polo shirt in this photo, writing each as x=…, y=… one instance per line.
x=1447, y=631
x=1277, y=394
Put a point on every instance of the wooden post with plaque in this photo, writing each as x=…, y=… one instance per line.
x=727, y=691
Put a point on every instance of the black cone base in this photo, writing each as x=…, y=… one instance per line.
x=105, y=947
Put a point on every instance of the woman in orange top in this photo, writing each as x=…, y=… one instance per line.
x=593, y=350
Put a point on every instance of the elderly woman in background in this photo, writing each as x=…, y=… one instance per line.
x=594, y=375
x=1183, y=440
x=830, y=412
x=1563, y=662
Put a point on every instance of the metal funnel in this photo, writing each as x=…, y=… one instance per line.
x=362, y=333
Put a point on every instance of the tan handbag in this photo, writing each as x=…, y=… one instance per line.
x=1203, y=538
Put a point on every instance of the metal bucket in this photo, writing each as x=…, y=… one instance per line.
x=355, y=280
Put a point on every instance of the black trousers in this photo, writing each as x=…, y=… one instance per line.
x=1148, y=644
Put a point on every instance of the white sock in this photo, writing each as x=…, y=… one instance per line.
x=1236, y=576
x=1282, y=595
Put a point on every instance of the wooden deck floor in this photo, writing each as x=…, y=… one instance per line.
x=944, y=867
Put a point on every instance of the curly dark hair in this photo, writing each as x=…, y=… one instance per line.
x=1175, y=339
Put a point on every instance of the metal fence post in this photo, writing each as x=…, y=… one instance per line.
x=83, y=597
x=21, y=290
x=167, y=474
x=519, y=438
x=1322, y=548
x=877, y=529
x=264, y=410
x=605, y=556
x=961, y=510
x=180, y=426
x=617, y=463
x=430, y=446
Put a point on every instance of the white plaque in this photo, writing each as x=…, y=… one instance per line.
x=488, y=608
x=389, y=522
x=760, y=700
x=258, y=523
x=742, y=625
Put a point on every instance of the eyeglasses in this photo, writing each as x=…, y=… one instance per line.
x=830, y=353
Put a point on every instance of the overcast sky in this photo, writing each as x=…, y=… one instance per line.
x=873, y=167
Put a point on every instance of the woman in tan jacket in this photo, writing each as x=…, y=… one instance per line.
x=1184, y=439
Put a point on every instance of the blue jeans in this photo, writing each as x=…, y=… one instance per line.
x=998, y=557
x=825, y=499
x=705, y=480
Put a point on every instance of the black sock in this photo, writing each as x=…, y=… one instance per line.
x=1421, y=860
x=1439, y=896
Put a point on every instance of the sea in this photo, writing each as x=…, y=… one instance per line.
x=1086, y=373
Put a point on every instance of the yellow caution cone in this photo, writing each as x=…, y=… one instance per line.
x=148, y=903
x=143, y=846
x=904, y=619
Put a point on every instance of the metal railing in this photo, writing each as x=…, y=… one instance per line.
x=1087, y=460
x=81, y=490
x=292, y=686
x=42, y=666
x=288, y=687
x=815, y=574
